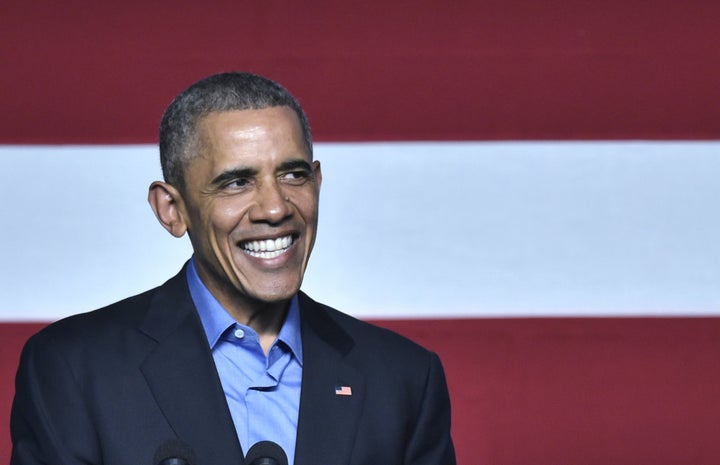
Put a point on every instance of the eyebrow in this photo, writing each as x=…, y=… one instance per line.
x=294, y=164
x=229, y=175
x=237, y=173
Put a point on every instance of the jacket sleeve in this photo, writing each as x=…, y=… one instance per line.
x=50, y=423
x=431, y=443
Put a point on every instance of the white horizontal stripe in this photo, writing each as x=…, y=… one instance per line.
x=407, y=229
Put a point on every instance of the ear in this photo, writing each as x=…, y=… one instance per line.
x=318, y=174
x=167, y=203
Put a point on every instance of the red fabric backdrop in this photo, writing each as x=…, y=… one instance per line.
x=91, y=72
x=555, y=391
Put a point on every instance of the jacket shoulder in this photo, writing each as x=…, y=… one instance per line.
x=369, y=340
x=111, y=318
x=123, y=314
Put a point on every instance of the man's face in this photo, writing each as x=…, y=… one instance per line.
x=251, y=204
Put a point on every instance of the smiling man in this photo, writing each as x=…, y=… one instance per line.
x=249, y=202
x=230, y=353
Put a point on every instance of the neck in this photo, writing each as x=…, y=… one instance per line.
x=265, y=318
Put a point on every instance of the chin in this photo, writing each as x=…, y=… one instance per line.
x=272, y=296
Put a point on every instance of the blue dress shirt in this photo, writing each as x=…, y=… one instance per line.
x=262, y=392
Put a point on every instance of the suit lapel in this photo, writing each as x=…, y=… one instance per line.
x=327, y=421
x=186, y=386
x=181, y=375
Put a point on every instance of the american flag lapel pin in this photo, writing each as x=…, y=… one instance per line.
x=343, y=391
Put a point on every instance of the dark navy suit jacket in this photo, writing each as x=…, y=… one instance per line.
x=109, y=386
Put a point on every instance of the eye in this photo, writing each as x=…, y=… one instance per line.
x=238, y=183
x=296, y=177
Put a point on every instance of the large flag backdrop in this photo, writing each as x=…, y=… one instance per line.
x=553, y=162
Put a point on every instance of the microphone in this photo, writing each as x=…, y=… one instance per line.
x=174, y=452
x=265, y=453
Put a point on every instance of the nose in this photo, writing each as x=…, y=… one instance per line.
x=271, y=204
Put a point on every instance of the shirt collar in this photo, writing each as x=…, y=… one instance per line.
x=216, y=320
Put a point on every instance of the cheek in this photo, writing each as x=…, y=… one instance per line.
x=307, y=203
x=226, y=215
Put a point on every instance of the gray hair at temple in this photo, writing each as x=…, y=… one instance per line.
x=179, y=141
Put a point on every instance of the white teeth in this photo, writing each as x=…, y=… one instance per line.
x=268, y=248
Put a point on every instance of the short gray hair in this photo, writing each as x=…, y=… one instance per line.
x=217, y=93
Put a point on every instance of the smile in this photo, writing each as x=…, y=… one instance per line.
x=268, y=248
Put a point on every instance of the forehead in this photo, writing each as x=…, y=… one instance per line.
x=257, y=140
x=250, y=131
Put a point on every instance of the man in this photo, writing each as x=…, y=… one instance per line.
x=229, y=352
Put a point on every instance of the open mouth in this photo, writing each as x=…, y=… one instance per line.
x=268, y=248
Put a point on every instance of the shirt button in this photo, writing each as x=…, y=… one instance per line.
x=239, y=333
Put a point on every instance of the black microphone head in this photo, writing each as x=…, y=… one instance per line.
x=266, y=453
x=174, y=452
